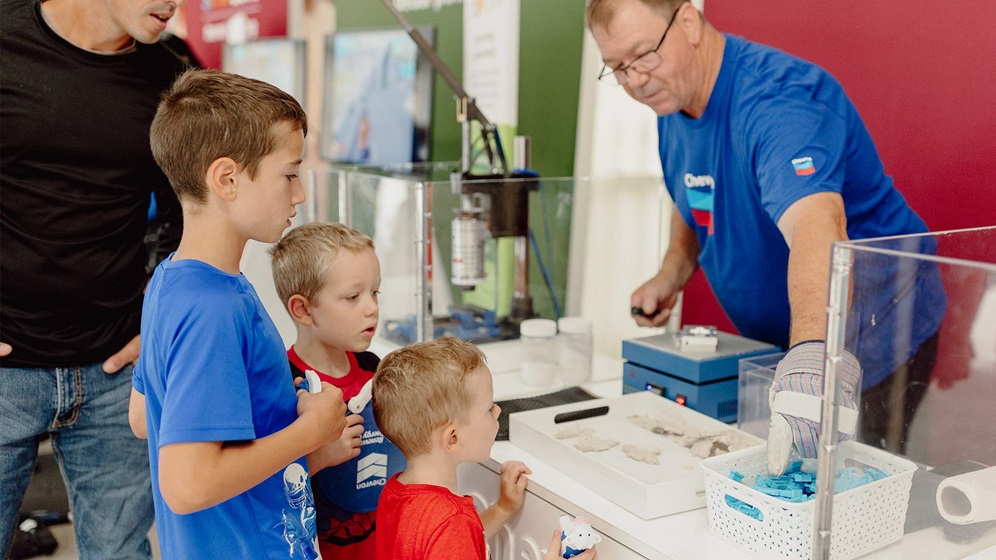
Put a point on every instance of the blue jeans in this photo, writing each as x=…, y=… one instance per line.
x=105, y=467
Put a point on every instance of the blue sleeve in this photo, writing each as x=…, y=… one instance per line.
x=137, y=379
x=207, y=392
x=798, y=147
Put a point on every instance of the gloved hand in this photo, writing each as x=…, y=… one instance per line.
x=796, y=402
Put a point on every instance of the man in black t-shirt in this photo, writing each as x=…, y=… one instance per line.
x=79, y=85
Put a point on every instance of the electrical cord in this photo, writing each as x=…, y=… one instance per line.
x=546, y=276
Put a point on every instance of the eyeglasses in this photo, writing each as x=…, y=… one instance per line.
x=645, y=63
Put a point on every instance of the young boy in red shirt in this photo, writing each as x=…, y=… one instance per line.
x=434, y=400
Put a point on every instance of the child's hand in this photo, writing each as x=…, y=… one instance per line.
x=553, y=553
x=326, y=412
x=348, y=444
x=512, y=492
x=512, y=486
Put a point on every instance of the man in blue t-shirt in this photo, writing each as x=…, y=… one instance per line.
x=768, y=164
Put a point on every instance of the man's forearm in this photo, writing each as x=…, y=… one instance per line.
x=811, y=226
x=809, y=284
x=681, y=258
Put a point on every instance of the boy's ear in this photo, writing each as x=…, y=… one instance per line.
x=297, y=306
x=222, y=178
x=450, y=438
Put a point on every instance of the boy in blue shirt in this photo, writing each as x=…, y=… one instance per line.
x=230, y=442
x=328, y=277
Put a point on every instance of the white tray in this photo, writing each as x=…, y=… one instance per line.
x=649, y=491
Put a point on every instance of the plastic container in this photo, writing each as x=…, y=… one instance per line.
x=865, y=518
x=575, y=350
x=755, y=376
x=539, y=352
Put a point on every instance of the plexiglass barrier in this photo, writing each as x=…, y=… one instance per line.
x=415, y=214
x=919, y=314
x=456, y=260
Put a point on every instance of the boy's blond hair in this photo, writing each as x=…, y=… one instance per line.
x=301, y=259
x=207, y=115
x=422, y=387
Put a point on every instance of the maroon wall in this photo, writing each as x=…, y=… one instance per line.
x=922, y=75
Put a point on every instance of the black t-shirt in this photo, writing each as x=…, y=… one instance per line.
x=76, y=174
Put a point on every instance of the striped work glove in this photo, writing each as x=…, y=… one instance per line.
x=796, y=402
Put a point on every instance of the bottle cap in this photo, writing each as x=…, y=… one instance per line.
x=574, y=325
x=538, y=328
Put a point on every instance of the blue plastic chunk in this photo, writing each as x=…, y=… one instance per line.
x=798, y=486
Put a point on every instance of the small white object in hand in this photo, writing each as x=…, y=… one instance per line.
x=576, y=536
x=359, y=402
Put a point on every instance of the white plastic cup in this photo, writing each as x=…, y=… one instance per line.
x=575, y=350
x=539, y=352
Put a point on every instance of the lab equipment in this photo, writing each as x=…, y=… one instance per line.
x=470, y=232
x=700, y=377
x=496, y=200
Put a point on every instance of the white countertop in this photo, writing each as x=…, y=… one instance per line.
x=682, y=536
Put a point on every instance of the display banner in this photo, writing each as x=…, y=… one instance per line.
x=491, y=58
x=212, y=23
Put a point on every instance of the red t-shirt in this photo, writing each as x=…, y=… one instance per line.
x=421, y=521
x=350, y=384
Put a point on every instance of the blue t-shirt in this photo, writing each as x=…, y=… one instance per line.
x=777, y=129
x=213, y=368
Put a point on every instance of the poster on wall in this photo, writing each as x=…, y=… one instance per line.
x=491, y=61
x=212, y=23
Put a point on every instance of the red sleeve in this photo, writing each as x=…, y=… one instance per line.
x=461, y=537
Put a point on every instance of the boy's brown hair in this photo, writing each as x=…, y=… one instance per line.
x=422, y=387
x=207, y=115
x=302, y=258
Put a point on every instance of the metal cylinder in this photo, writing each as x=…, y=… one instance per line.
x=467, y=263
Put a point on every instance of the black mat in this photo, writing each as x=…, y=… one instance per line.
x=564, y=396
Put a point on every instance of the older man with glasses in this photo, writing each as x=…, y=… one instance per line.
x=768, y=164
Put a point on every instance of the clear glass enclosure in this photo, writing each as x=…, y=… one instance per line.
x=446, y=269
x=919, y=314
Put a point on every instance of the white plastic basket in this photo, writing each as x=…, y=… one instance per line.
x=865, y=518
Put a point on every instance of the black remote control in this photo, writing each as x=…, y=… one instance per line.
x=580, y=414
